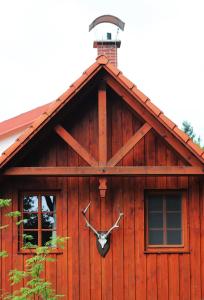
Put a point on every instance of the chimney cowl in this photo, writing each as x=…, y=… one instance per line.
x=108, y=47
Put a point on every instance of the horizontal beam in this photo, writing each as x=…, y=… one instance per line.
x=104, y=171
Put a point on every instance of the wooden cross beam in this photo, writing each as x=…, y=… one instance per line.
x=79, y=149
x=129, y=145
x=104, y=171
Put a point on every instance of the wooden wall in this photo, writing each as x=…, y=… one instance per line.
x=127, y=272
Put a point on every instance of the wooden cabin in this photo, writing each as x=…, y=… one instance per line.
x=103, y=141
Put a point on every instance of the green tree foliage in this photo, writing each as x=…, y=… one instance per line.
x=188, y=129
x=35, y=285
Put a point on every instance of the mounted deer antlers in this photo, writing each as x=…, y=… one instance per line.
x=103, y=237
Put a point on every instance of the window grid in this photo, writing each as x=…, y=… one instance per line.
x=164, y=228
x=39, y=214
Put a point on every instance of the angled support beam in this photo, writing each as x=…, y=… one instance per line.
x=105, y=171
x=148, y=117
x=79, y=149
x=129, y=145
x=102, y=124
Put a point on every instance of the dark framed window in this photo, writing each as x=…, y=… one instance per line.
x=39, y=213
x=166, y=219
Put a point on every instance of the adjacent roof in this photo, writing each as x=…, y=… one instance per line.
x=51, y=109
x=21, y=121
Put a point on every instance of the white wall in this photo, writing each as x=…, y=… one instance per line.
x=8, y=140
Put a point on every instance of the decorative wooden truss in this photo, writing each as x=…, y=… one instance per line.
x=104, y=167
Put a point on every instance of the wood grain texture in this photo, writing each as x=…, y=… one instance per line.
x=127, y=272
x=102, y=123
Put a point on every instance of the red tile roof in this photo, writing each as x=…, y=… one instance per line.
x=51, y=110
x=8, y=127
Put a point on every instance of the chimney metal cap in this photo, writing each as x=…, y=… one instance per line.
x=107, y=19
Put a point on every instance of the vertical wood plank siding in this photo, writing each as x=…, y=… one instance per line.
x=127, y=272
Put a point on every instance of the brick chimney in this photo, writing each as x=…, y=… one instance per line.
x=108, y=48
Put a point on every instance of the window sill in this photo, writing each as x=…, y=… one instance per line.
x=32, y=251
x=167, y=250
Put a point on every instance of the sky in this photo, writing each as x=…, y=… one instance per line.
x=45, y=45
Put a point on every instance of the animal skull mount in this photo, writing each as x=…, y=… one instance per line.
x=102, y=237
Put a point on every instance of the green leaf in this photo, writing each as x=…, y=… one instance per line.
x=28, y=237
x=20, y=222
x=3, y=254
x=5, y=202
x=16, y=276
x=13, y=214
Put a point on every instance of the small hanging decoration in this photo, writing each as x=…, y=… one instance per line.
x=102, y=237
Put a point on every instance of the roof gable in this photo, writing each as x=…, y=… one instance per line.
x=130, y=94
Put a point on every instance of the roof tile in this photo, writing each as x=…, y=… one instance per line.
x=167, y=121
x=67, y=94
x=79, y=81
x=126, y=81
x=21, y=121
x=39, y=121
x=113, y=69
x=91, y=69
x=139, y=94
x=26, y=134
x=153, y=107
x=102, y=59
x=181, y=134
x=11, y=149
x=195, y=147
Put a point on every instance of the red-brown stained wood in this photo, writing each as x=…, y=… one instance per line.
x=129, y=213
x=73, y=231
x=171, y=160
x=84, y=233
x=18, y=262
x=116, y=195
x=127, y=271
x=140, y=257
x=150, y=159
x=184, y=277
x=7, y=262
x=95, y=212
x=195, y=258
x=105, y=171
x=162, y=276
x=95, y=258
x=62, y=259
x=107, y=263
x=0, y=250
x=161, y=161
x=102, y=123
x=133, y=140
x=202, y=234
x=152, y=285
x=150, y=119
x=173, y=276
x=75, y=145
